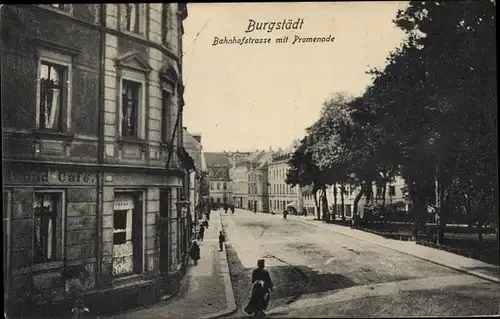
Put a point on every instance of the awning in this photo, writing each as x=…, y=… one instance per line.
x=186, y=159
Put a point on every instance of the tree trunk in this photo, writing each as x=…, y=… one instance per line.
x=325, y=203
x=357, y=199
x=369, y=191
x=384, y=189
x=342, y=211
x=315, y=195
x=335, y=199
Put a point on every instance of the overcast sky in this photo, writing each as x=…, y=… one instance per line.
x=253, y=96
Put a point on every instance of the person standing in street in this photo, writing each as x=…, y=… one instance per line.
x=261, y=290
x=195, y=252
x=222, y=239
x=201, y=233
x=232, y=208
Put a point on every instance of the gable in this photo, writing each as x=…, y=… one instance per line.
x=135, y=62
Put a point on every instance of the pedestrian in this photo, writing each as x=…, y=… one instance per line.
x=262, y=286
x=232, y=208
x=222, y=239
x=201, y=233
x=195, y=252
x=205, y=223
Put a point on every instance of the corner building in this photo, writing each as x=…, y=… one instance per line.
x=92, y=132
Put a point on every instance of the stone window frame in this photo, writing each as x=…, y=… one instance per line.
x=60, y=230
x=141, y=194
x=65, y=61
x=167, y=88
x=129, y=73
x=142, y=14
x=166, y=23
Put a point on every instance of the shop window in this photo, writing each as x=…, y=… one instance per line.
x=392, y=190
x=47, y=227
x=53, y=95
x=127, y=234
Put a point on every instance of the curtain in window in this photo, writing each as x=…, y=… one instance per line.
x=50, y=78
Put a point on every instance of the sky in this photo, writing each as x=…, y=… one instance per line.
x=264, y=95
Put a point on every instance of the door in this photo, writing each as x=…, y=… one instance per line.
x=164, y=230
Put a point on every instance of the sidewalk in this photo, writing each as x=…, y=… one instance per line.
x=436, y=256
x=204, y=289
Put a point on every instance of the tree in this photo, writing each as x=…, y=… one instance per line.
x=304, y=171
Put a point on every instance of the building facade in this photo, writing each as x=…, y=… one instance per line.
x=93, y=182
x=239, y=179
x=258, y=182
x=218, y=166
x=280, y=193
x=192, y=144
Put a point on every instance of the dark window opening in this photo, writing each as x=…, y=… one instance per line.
x=130, y=108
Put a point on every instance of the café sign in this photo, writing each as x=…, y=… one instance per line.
x=51, y=177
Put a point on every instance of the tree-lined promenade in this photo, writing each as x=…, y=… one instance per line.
x=429, y=116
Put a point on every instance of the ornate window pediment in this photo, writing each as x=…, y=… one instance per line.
x=169, y=73
x=135, y=62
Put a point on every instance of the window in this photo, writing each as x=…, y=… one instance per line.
x=166, y=103
x=127, y=234
x=130, y=17
x=130, y=108
x=212, y=186
x=47, y=227
x=224, y=186
x=218, y=186
x=52, y=96
x=164, y=22
x=392, y=190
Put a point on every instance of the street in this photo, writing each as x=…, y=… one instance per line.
x=319, y=272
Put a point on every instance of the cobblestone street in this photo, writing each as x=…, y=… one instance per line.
x=319, y=272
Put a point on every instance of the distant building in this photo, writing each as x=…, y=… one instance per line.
x=281, y=194
x=258, y=182
x=239, y=178
x=218, y=166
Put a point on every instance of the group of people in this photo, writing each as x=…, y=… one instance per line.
x=262, y=285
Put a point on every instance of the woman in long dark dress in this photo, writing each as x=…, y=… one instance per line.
x=195, y=252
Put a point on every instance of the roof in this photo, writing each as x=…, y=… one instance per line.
x=218, y=173
x=216, y=159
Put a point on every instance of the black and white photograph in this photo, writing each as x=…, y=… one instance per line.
x=250, y=159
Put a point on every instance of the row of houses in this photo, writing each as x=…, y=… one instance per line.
x=257, y=181
x=95, y=175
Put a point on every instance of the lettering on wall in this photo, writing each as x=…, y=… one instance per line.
x=51, y=177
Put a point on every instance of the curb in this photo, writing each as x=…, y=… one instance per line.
x=230, y=302
x=468, y=272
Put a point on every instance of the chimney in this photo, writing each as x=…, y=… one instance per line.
x=197, y=137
